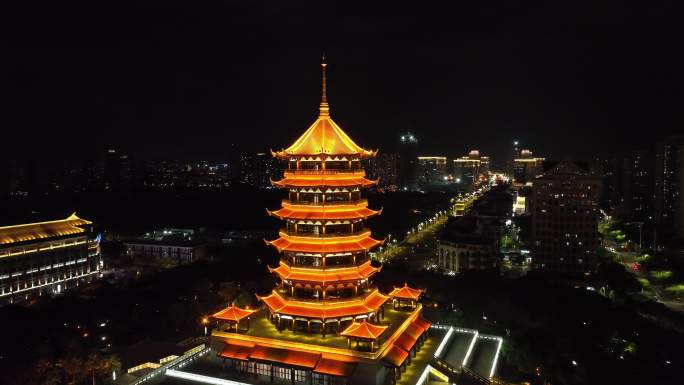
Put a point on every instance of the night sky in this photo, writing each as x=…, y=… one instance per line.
x=199, y=79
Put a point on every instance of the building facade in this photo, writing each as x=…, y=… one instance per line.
x=526, y=167
x=387, y=170
x=639, y=184
x=432, y=170
x=408, y=162
x=167, y=247
x=178, y=252
x=565, y=214
x=47, y=258
x=470, y=168
x=258, y=169
x=465, y=244
x=669, y=186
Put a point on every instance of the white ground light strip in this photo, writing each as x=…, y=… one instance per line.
x=201, y=379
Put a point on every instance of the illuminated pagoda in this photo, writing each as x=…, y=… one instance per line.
x=325, y=267
x=324, y=300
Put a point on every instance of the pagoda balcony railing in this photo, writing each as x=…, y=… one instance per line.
x=324, y=172
x=356, y=202
x=359, y=262
x=362, y=231
x=363, y=293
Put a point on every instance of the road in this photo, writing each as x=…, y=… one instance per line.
x=418, y=247
x=627, y=259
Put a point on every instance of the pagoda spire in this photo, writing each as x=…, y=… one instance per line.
x=324, y=109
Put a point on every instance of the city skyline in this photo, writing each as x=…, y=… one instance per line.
x=486, y=194
x=558, y=79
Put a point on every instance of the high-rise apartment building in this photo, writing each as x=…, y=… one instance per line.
x=640, y=184
x=258, y=169
x=526, y=167
x=408, y=162
x=469, y=169
x=669, y=184
x=432, y=170
x=385, y=168
x=565, y=213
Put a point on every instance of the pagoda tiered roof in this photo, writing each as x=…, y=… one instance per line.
x=325, y=309
x=232, y=314
x=325, y=276
x=324, y=179
x=325, y=212
x=405, y=292
x=364, y=330
x=41, y=230
x=324, y=136
x=360, y=242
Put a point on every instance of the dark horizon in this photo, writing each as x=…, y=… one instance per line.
x=174, y=80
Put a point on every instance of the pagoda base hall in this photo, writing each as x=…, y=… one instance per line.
x=325, y=322
x=359, y=352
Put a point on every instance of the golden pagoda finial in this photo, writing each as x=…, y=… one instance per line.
x=324, y=109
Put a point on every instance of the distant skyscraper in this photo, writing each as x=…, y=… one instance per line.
x=565, y=216
x=639, y=184
x=247, y=169
x=385, y=167
x=118, y=171
x=258, y=169
x=468, y=169
x=512, y=153
x=611, y=170
x=408, y=158
x=465, y=244
x=526, y=167
x=266, y=168
x=432, y=170
x=669, y=185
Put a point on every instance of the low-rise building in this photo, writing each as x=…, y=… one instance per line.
x=466, y=244
x=47, y=258
x=167, y=247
